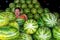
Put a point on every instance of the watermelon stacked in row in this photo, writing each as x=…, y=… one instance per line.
x=30, y=7
x=8, y=29
x=41, y=23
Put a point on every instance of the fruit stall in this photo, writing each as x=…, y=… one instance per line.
x=42, y=24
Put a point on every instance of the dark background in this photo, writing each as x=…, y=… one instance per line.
x=4, y=4
x=53, y=5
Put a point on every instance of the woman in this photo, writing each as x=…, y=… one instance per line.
x=18, y=14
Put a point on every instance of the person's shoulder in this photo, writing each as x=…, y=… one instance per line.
x=24, y=14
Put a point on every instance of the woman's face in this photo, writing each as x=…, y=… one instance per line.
x=17, y=12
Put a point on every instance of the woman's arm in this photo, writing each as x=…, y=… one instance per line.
x=25, y=16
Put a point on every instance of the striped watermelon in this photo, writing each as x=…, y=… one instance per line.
x=20, y=21
x=8, y=33
x=42, y=33
x=50, y=19
x=30, y=26
x=4, y=20
x=10, y=15
x=14, y=24
x=24, y=36
x=56, y=32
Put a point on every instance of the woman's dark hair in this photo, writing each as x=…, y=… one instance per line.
x=17, y=8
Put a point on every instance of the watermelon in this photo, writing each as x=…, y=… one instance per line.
x=14, y=24
x=30, y=16
x=43, y=33
x=8, y=33
x=26, y=10
x=24, y=36
x=16, y=1
x=58, y=22
x=39, y=10
x=20, y=21
x=18, y=5
x=10, y=15
x=36, y=16
x=37, y=5
x=11, y=5
x=56, y=32
x=22, y=1
x=28, y=1
x=12, y=9
x=30, y=26
x=50, y=19
x=30, y=6
x=56, y=14
x=46, y=10
x=34, y=1
x=34, y=11
x=4, y=20
x=24, y=6
x=8, y=10
x=40, y=22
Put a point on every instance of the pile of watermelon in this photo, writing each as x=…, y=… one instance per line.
x=41, y=24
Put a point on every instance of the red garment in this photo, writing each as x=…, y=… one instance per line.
x=21, y=16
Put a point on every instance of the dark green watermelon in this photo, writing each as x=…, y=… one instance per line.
x=41, y=23
x=20, y=21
